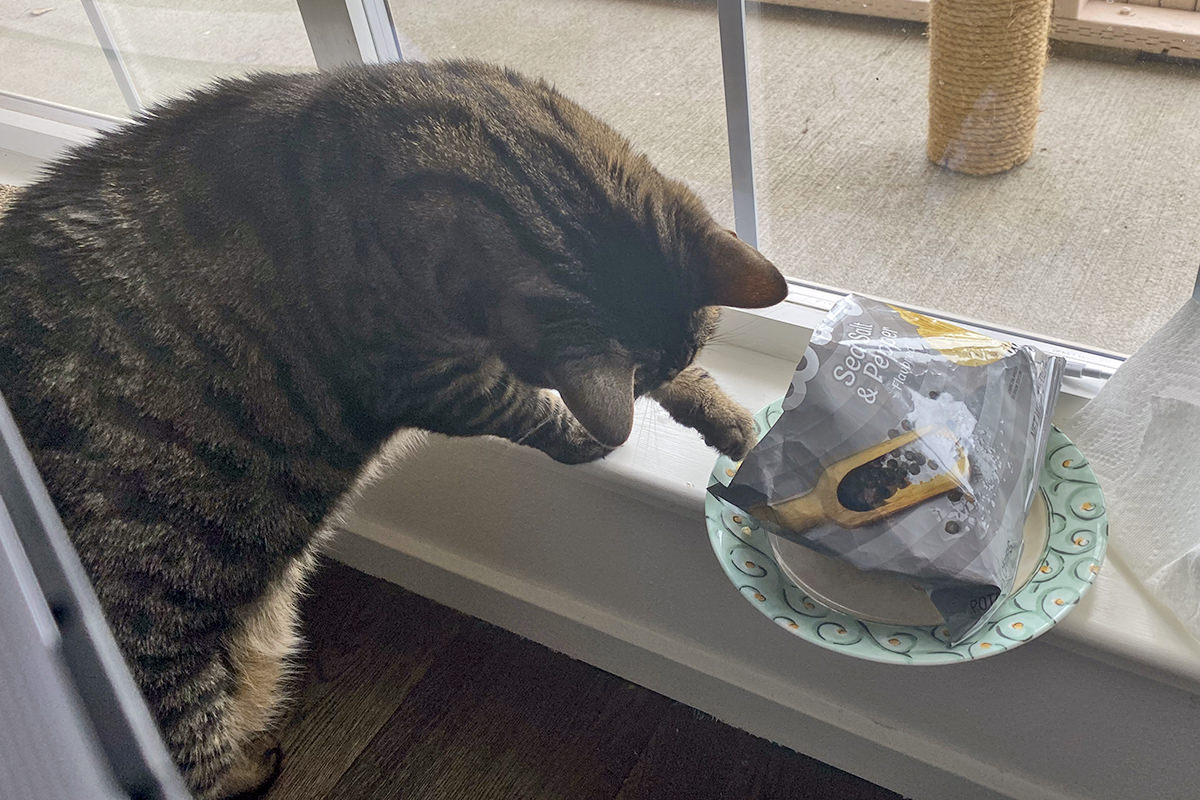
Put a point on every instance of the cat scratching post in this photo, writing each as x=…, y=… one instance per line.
x=985, y=81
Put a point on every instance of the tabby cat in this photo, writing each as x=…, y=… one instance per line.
x=213, y=320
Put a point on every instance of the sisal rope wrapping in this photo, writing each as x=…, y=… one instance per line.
x=985, y=81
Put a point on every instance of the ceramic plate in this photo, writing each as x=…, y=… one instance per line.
x=883, y=597
x=1075, y=539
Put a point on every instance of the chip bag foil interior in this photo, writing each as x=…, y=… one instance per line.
x=908, y=445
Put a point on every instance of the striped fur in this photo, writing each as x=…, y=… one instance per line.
x=213, y=320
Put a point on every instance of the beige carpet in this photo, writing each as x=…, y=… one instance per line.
x=1096, y=239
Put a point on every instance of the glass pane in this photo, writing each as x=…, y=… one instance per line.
x=1095, y=239
x=652, y=70
x=50, y=52
x=170, y=46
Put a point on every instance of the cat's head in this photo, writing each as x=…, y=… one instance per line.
x=641, y=303
x=602, y=276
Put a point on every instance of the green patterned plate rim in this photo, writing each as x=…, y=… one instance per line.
x=1069, y=565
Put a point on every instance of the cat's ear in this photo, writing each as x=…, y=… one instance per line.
x=599, y=393
x=732, y=273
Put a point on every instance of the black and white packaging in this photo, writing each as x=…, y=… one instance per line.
x=908, y=445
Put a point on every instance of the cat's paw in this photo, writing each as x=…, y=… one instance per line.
x=694, y=399
x=255, y=769
x=731, y=430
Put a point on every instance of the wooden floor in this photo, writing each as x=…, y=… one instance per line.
x=403, y=698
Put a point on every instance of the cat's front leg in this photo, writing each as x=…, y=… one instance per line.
x=694, y=399
x=504, y=405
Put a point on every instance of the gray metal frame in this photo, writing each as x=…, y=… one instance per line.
x=112, y=54
x=731, y=17
x=350, y=32
x=73, y=714
x=382, y=29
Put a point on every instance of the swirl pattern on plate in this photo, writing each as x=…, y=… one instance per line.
x=1069, y=565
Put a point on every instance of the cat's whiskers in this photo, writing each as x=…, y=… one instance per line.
x=533, y=430
x=728, y=333
x=648, y=431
